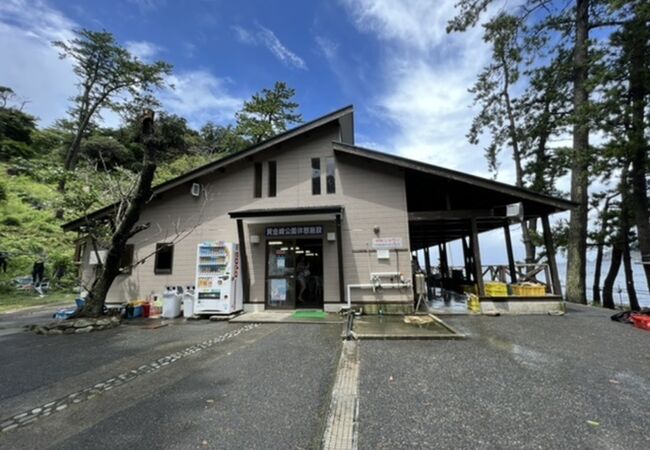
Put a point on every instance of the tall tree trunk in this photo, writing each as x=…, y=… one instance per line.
x=516, y=156
x=599, y=252
x=639, y=34
x=595, y=290
x=125, y=227
x=624, y=223
x=608, y=286
x=577, y=246
x=629, y=274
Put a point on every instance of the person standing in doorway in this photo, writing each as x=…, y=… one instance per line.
x=38, y=272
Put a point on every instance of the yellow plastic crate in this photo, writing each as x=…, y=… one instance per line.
x=496, y=289
x=529, y=290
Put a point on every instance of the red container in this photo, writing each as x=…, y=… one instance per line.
x=641, y=321
x=146, y=309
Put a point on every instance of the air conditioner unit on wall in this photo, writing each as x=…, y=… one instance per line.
x=196, y=189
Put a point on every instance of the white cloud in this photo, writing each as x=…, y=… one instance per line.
x=35, y=71
x=143, y=49
x=264, y=36
x=199, y=96
x=31, y=66
x=148, y=5
x=426, y=73
x=419, y=24
x=328, y=48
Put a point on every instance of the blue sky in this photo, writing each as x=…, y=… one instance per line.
x=392, y=59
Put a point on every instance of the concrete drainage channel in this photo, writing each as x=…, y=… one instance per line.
x=32, y=415
x=341, y=429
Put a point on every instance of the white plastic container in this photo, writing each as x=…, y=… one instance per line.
x=188, y=302
x=171, y=303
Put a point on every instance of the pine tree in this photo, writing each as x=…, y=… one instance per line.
x=268, y=113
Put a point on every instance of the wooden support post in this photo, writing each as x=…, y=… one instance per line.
x=467, y=259
x=511, y=256
x=339, y=250
x=444, y=264
x=245, y=279
x=427, y=268
x=476, y=251
x=550, y=256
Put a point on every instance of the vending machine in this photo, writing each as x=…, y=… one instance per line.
x=218, y=279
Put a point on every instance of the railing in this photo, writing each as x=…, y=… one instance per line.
x=525, y=273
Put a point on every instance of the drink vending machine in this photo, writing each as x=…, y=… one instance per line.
x=218, y=279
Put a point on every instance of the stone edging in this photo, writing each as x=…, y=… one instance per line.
x=32, y=415
x=75, y=326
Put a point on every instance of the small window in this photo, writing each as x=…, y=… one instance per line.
x=164, y=259
x=127, y=260
x=79, y=251
x=272, y=179
x=257, y=190
x=315, y=176
x=330, y=180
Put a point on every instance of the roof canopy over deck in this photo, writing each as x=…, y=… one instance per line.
x=442, y=202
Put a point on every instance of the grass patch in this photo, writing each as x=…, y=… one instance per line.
x=19, y=300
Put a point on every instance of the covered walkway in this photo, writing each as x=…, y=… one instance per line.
x=446, y=205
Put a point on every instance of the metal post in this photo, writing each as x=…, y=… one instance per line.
x=550, y=255
x=245, y=279
x=476, y=251
x=511, y=257
x=427, y=268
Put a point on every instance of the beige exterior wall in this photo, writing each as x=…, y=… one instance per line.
x=372, y=195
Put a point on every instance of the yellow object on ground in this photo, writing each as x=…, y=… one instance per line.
x=529, y=290
x=496, y=289
x=473, y=304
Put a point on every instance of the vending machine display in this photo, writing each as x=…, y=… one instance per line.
x=218, y=279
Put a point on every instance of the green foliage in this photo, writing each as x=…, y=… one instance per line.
x=105, y=71
x=28, y=228
x=268, y=113
x=14, y=149
x=15, y=125
x=106, y=152
x=221, y=139
x=182, y=165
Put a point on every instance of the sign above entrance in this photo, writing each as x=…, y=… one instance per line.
x=387, y=243
x=294, y=230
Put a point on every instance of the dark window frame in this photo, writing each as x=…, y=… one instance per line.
x=257, y=183
x=273, y=178
x=163, y=271
x=80, y=251
x=315, y=177
x=127, y=259
x=330, y=178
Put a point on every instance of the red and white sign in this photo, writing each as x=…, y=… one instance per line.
x=387, y=243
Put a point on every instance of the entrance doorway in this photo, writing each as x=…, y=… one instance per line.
x=294, y=274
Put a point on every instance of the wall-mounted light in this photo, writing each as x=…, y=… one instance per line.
x=331, y=237
x=255, y=239
x=376, y=229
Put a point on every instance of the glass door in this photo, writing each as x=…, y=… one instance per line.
x=294, y=274
x=280, y=275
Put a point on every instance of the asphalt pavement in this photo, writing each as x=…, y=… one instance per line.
x=577, y=381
